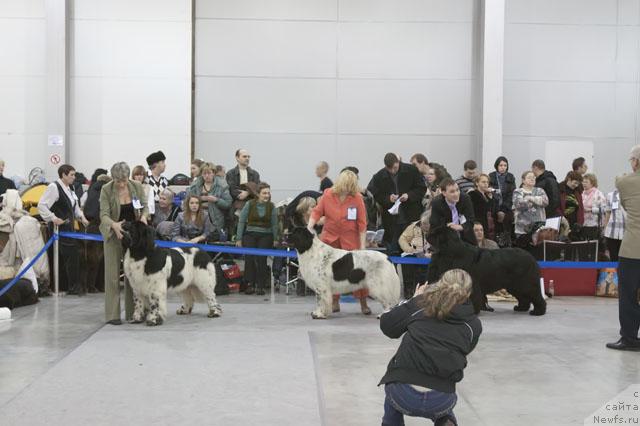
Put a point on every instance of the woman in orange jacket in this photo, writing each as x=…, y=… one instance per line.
x=345, y=225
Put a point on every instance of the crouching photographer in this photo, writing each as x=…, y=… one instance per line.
x=440, y=329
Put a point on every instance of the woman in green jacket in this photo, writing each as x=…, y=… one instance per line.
x=121, y=200
x=214, y=194
x=258, y=228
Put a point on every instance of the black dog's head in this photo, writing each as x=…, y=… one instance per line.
x=138, y=237
x=301, y=238
x=444, y=240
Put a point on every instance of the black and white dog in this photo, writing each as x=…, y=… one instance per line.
x=327, y=271
x=512, y=269
x=152, y=270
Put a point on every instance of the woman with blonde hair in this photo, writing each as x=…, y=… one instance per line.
x=440, y=329
x=305, y=207
x=345, y=223
x=413, y=242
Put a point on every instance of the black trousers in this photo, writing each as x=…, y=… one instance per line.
x=70, y=266
x=628, y=307
x=411, y=276
x=396, y=231
x=614, y=248
x=256, y=271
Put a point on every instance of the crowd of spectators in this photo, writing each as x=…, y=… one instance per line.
x=488, y=208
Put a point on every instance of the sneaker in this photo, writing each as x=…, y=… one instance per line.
x=260, y=292
x=249, y=290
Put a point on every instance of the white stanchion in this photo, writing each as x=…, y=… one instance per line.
x=56, y=261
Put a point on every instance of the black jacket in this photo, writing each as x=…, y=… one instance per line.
x=410, y=182
x=433, y=352
x=92, y=205
x=549, y=183
x=483, y=207
x=5, y=184
x=325, y=183
x=505, y=202
x=233, y=179
x=441, y=215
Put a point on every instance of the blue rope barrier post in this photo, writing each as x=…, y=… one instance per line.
x=56, y=260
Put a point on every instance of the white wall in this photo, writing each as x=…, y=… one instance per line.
x=22, y=85
x=130, y=79
x=298, y=81
x=571, y=73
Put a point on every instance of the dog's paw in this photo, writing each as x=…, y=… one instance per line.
x=519, y=308
x=183, y=311
x=135, y=320
x=152, y=323
x=537, y=313
x=214, y=313
x=316, y=315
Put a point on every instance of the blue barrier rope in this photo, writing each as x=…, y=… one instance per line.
x=409, y=260
x=29, y=266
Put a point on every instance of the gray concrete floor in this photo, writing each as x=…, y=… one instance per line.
x=266, y=362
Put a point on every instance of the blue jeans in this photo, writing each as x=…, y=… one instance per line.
x=403, y=400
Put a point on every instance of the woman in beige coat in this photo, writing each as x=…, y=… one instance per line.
x=121, y=200
x=413, y=242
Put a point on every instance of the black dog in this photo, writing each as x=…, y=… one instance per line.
x=21, y=294
x=491, y=270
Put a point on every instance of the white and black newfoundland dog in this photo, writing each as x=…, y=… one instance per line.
x=512, y=269
x=152, y=271
x=327, y=271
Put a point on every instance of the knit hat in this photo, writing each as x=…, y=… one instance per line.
x=156, y=157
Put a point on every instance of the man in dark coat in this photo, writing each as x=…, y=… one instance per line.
x=4, y=182
x=241, y=174
x=547, y=181
x=397, y=182
x=454, y=209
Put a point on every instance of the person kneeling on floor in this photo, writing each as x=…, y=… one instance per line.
x=442, y=325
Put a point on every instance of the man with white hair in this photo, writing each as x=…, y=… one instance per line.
x=629, y=259
x=4, y=182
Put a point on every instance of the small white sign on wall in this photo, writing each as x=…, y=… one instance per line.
x=55, y=140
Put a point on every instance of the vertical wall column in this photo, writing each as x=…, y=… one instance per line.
x=57, y=87
x=493, y=81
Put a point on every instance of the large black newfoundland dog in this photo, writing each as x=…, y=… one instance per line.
x=491, y=270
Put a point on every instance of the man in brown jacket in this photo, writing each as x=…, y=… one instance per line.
x=629, y=263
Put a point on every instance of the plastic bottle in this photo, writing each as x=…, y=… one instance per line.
x=551, y=288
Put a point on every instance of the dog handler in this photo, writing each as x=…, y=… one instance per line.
x=121, y=200
x=345, y=226
x=440, y=329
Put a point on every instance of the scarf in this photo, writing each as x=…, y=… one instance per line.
x=502, y=186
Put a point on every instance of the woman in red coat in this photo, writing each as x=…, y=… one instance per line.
x=345, y=225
